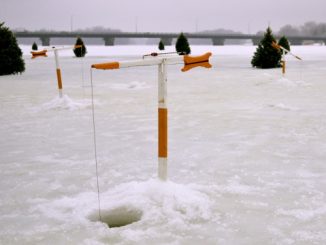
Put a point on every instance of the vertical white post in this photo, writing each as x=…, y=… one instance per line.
x=162, y=122
x=58, y=72
x=283, y=62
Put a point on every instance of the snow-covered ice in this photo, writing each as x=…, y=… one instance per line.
x=247, y=151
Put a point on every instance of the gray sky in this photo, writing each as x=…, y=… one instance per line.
x=247, y=16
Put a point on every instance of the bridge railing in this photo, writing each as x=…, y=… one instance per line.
x=109, y=37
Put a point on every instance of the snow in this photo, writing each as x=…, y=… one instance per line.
x=65, y=102
x=247, y=151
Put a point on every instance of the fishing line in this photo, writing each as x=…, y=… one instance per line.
x=82, y=64
x=95, y=149
x=300, y=72
x=83, y=75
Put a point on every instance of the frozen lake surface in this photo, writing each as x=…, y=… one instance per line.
x=247, y=151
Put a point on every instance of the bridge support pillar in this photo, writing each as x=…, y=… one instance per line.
x=108, y=41
x=167, y=41
x=45, y=41
x=295, y=42
x=218, y=41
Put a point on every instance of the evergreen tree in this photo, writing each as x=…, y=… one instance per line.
x=34, y=46
x=161, y=45
x=182, y=45
x=266, y=56
x=284, y=43
x=80, y=52
x=11, y=61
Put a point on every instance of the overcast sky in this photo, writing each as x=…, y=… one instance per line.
x=247, y=16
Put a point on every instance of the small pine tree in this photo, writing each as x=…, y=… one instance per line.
x=266, y=56
x=34, y=46
x=11, y=61
x=161, y=45
x=80, y=52
x=182, y=45
x=284, y=43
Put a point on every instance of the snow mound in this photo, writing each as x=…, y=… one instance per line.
x=304, y=214
x=66, y=103
x=284, y=107
x=290, y=83
x=160, y=201
x=132, y=85
x=154, y=201
x=136, y=209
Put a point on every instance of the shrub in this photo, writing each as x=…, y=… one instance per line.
x=182, y=45
x=34, y=46
x=11, y=61
x=80, y=52
x=161, y=45
x=284, y=43
x=266, y=56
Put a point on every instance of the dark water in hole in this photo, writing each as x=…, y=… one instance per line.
x=118, y=217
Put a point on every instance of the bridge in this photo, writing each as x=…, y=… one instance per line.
x=109, y=37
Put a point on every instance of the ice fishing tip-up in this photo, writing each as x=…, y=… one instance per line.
x=161, y=60
x=284, y=52
x=43, y=53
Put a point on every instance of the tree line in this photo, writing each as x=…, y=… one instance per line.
x=310, y=28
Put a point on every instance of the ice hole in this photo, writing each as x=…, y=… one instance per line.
x=118, y=217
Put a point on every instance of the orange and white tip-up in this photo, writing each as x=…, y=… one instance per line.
x=161, y=61
x=284, y=52
x=43, y=53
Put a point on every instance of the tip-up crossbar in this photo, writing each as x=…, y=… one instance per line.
x=188, y=61
x=43, y=52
